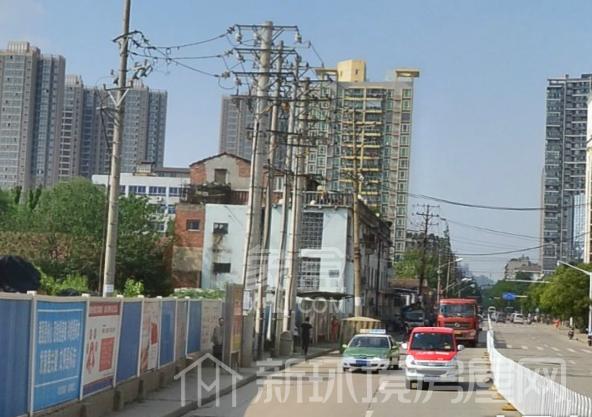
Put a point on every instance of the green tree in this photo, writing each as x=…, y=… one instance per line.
x=567, y=294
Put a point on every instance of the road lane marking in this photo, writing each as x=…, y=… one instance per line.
x=555, y=349
x=509, y=346
x=571, y=350
x=586, y=350
x=572, y=362
x=524, y=347
x=540, y=348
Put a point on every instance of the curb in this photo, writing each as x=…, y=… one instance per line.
x=245, y=381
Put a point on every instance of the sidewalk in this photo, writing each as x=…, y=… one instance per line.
x=166, y=402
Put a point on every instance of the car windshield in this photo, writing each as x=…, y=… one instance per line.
x=432, y=341
x=457, y=310
x=414, y=315
x=369, y=342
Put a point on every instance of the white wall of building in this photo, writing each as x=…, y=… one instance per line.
x=223, y=248
x=162, y=191
x=588, y=188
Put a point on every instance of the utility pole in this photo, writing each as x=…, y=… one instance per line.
x=113, y=214
x=427, y=217
x=285, y=212
x=264, y=258
x=439, y=274
x=293, y=260
x=253, y=236
x=356, y=224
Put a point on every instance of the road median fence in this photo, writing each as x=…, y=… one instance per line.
x=57, y=351
x=535, y=391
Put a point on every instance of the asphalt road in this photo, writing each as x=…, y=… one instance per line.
x=548, y=350
x=319, y=388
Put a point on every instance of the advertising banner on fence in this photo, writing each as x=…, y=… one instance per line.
x=167, y=332
x=102, y=336
x=129, y=340
x=59, y=338
x=181, y=333
x=150, y=335
x=211, y=311
x=233, y=314
x=15, y=320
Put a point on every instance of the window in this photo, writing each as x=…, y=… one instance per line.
x=220, y=228
x=220, y=176
x=192, y=225
x=137, y=190
x=221, y=268
x=310, y=272
x=174, y=191
x=160, y=191
x=312, y=231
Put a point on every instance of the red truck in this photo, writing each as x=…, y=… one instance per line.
x=460, y=314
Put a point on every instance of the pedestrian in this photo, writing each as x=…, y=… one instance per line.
x=334, y=329
x=218, y=339
x=305, y=329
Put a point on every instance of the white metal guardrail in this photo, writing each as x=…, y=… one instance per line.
x=532, y=393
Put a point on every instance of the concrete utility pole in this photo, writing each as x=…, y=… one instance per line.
x=427, y=217
x=285, y=212
x=293, y=260
x=356, y=224
x=264, y=259
x=113, y=210
x=259, y=155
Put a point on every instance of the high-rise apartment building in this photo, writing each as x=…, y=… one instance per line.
x=53, y=128
x=18, y=84
x=72, y=127
x=235, y=121
x=374, y=125
x=565, y=167
x=49, y=103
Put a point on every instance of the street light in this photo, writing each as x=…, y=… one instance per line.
x=439, y=270
x=589, y=291
x=462, y=281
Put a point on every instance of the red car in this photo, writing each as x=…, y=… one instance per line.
x=431, y=356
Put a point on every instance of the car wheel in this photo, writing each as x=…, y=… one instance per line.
x=423, y=385
x=344, y=369
x=375, y=371
x=408, y=384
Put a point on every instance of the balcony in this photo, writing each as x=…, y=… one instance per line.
x=327, y=199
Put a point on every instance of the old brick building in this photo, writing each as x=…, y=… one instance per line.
x=222, y=179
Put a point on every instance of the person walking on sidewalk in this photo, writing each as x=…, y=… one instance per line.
x=218, y=339
x=305, y=329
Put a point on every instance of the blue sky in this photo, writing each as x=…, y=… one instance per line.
x=479, y=107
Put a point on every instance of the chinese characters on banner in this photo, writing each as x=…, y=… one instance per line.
x=58, y=352
x=211, y=311
x=102, y=334
x=150, y=336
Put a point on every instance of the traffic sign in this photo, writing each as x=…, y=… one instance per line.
x=509, y=296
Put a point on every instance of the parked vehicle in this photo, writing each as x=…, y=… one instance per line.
x=431, y=356
x=500, y=317
x=413, y=316
x=460, y=314
x=371, y=350
x=518, y=318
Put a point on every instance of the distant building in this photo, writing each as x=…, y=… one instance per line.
x=565, y=167
x=72, y=128
x=524, y=265
x=31, y=97
x=143, y=130
x=164, y=188
x=236, y=122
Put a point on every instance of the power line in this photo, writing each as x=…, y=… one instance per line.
x=505, y=252
x=487, y=207
x=486, y=229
